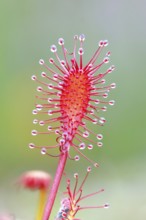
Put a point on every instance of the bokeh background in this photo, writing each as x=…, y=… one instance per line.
x=28, y=28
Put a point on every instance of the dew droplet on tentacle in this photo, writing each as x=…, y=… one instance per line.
x=39, y=107
x=76, y=175
x=33, y=77
x=113, y=85
x=99, y=144
x=41, y=62
x=90, y=146
x=111, y=102
x=53, y=48
x=34, y=132
x=106, y=60
x=77, y=158
x=43, y=151
x=106, y=206
x=61, y=41
x=101, y=43
x=82, y=146
x=31, y=145
x=34, y=112
x=99, y=136
x=35, y=121
x=41, y=123
x=39, y=89
x=82, y=38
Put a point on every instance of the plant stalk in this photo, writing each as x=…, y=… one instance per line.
x=55, y=186
x=43, y=193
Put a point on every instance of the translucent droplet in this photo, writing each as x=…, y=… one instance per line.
x=113, y=85
x=53, y=48
x=93, y=86
x=57, y=131
x=56, y=105
x=90, y=147
x=104, y=108
x=102, y=120
x=62, y=62
x=41, y=62
x=101, y=43
x=105, y=42
x=76, y=175
x=91, y=111
x=82, y=37
x=105, y=95
x=33, y=77
x=55, y=76
x=50, y=100
x=31, y=146
x=99, y=136
x=43, y=150
x=41, y=123
x=43, y=74
x=106, y=60
x=65, y=135
x=50, y=112
x=39, y=107
x=50, y=86
x=60, y=84
x=61, y=41
x=99, y=144
x=62, y=141
x=35, y=121
x=77, y=158
x=82, y=146
x=51, y=60
x=39, y=89
x=103, y=81
x=88, y=169
x=86, y=134
x=106, y=206
x=111, y=102
x=64, y=214
x=108, y=53
x=34, y=132
x=34, y=112
x=96, y=165
x=83, y=123
x=97, y=101
x=95, y=121
x=59, y=93
x=76, y=37
x=80, y=51
x=49, y=128
x=111, y=69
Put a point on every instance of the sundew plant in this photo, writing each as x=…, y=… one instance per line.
x=70, y=95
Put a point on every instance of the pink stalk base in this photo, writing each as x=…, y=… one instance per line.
x=56, y=183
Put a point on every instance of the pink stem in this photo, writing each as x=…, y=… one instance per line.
x=56, y=183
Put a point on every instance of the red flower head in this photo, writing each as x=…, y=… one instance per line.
x=35, y=180
x=75, y=95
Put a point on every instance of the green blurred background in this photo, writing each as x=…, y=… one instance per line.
x=28, y=28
